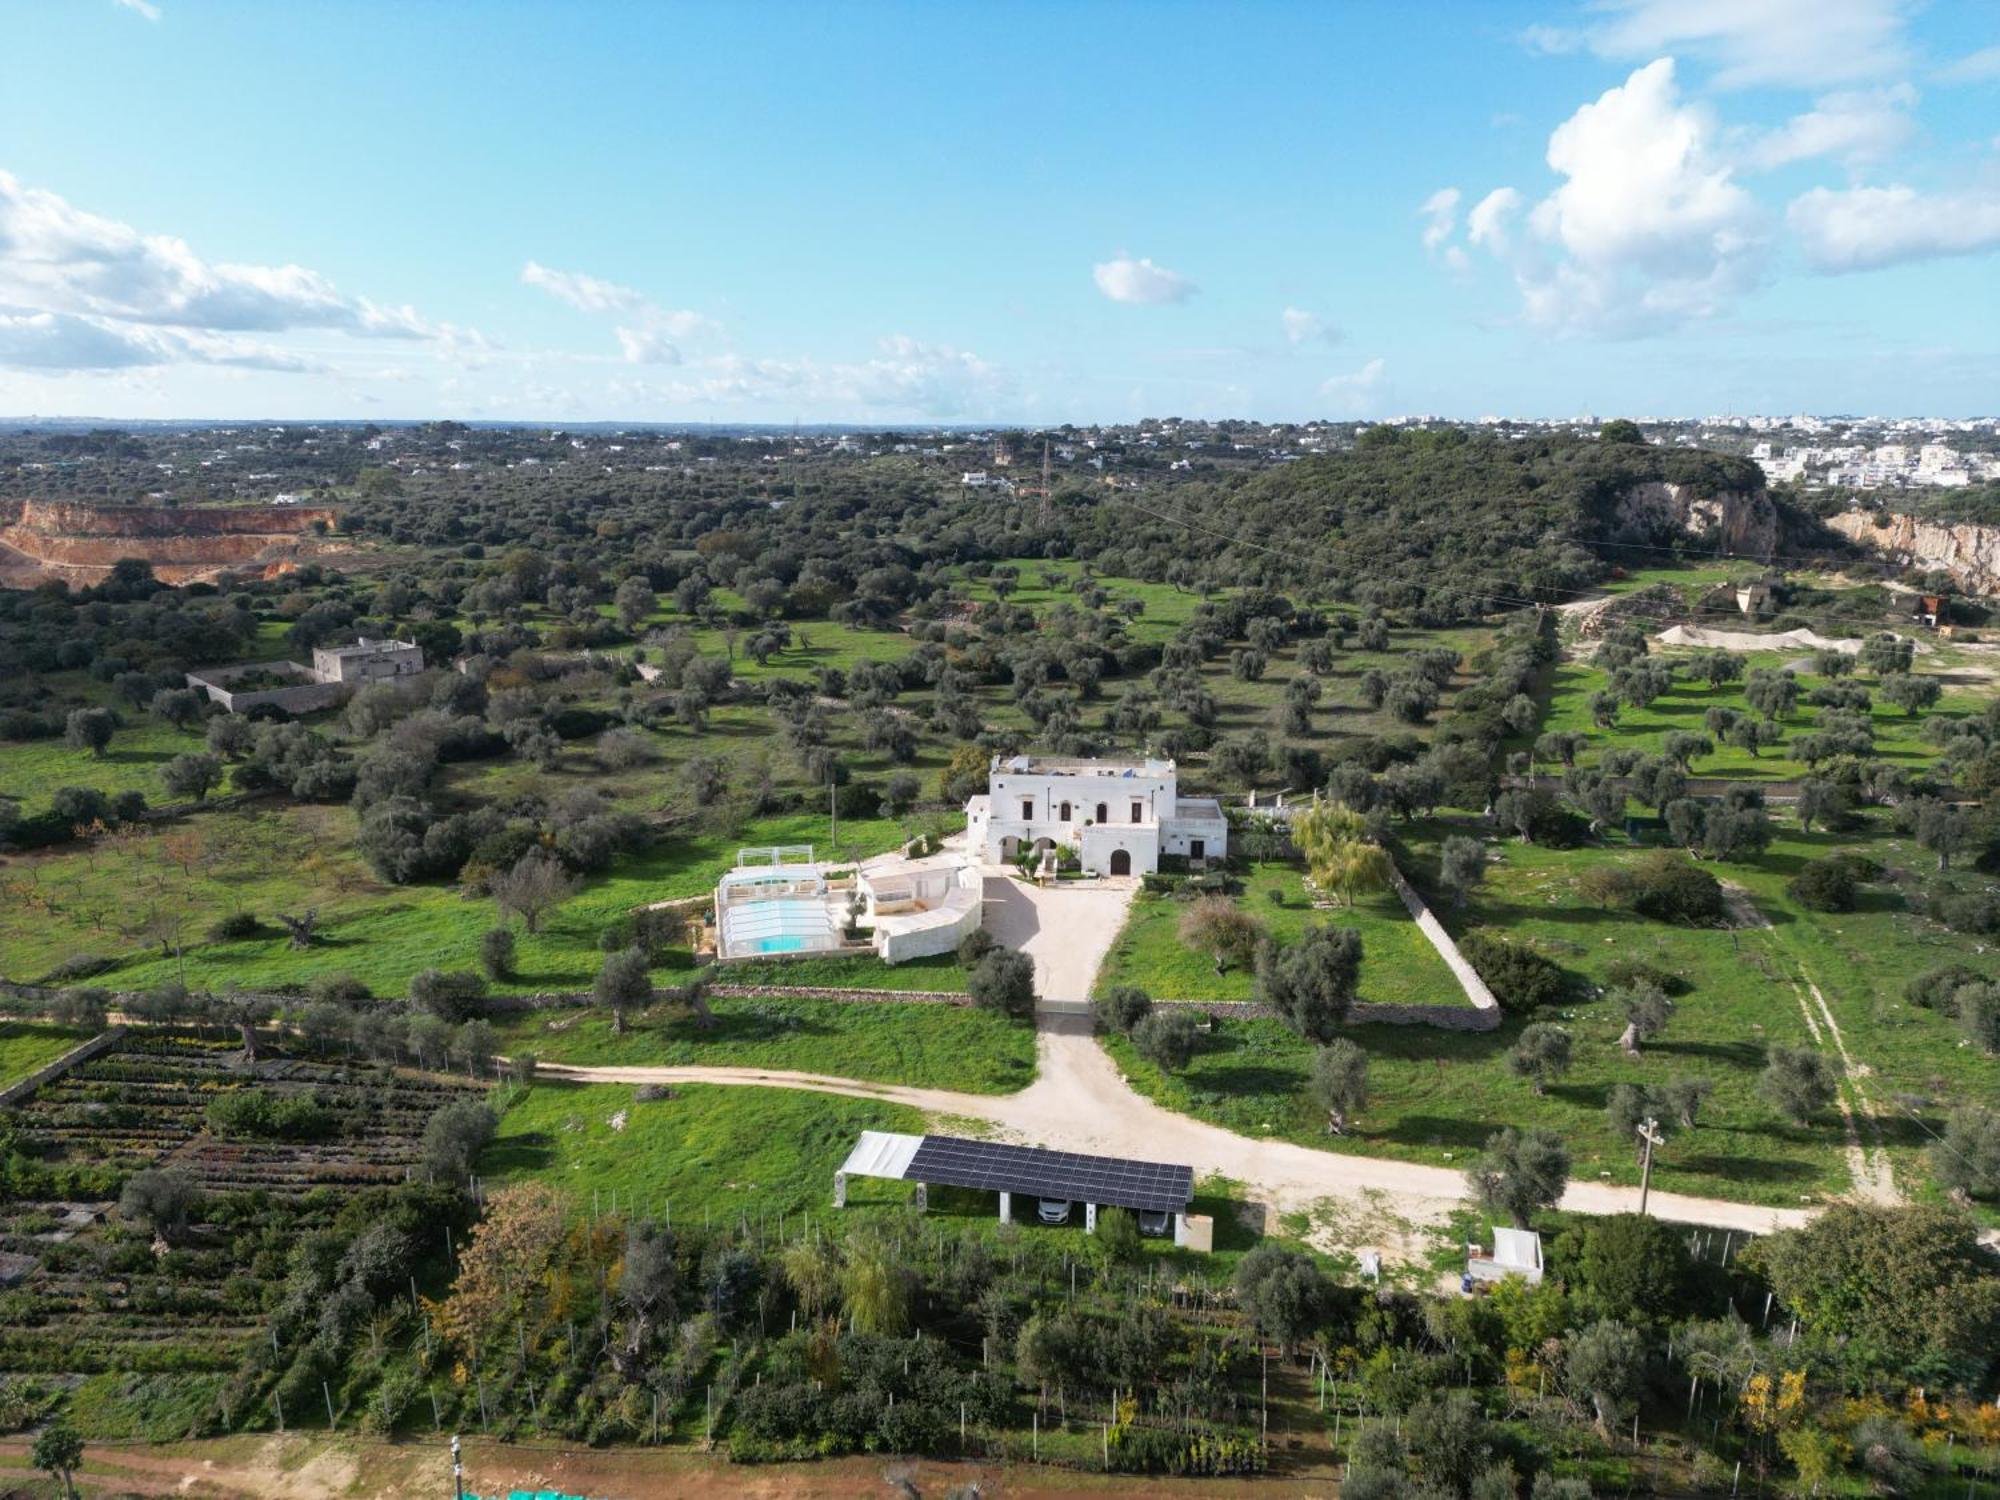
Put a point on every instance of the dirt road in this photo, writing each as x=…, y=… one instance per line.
x=1080, y=1102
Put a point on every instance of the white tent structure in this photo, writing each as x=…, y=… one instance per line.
x=879, y=1153
x=1516, y=1252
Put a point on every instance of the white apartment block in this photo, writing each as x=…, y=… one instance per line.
x=1120, y=816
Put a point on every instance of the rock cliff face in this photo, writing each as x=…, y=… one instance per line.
x=1971, y=554
x=43, y=539
x=1745, y=524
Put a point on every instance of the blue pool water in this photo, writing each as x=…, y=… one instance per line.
x=781, y=945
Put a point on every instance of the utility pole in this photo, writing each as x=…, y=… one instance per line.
x=832, y=813
x=1649, y=1134
x=457, y=1470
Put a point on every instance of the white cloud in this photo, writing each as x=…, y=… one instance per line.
x=647, y=333
x=1124, y=279
x=1856, y=127
x=1356, y=392
x=1860, y=229
x=1490, y=224
x=584, y=292
x=75, y=284
x=1304, y=327
x=1647, y=228
x=1977, y=67
x=1440, y=215
x=906, y=378
x=144, y=8
x=1794, y=43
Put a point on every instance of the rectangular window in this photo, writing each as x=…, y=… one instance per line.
x=1027, y=810
x=1138, y=812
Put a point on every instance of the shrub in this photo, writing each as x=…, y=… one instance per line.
x=974, y=946
x=455, y=1136
x=1520, y=975
x=496, y=953
x=1630, y=973
x=1937, y=989
x=1167, y=1039
x=1798, y=1083
x=235, y=926
x=267, y=1115
x=1670, y=889
x=448, y=994
x=1825, y=885
x=1004, y=981
x=1121, y=1007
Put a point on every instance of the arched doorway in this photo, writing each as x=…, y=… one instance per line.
x=1064, y=818
x=1121, y=862
x=1103, y=813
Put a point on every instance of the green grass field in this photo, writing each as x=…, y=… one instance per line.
x=268, y=859
x=32, y=771
x=24, y=1047
x=928, y=1046
x=720, y=1152
x=860, y=971
x=1399, y=967
x=1436, y=1096
x=1682, y=708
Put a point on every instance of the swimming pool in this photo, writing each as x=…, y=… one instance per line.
x=781, y=924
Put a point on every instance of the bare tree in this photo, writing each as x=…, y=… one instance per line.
x=301, y=927
x=536, y=886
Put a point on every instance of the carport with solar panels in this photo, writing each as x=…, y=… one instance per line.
x=1147, y=1188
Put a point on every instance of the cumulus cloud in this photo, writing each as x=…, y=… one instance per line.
x=1440, y=215
x=1648, y=227
x=1977, y=67
x=1863, y=228
x=150, y=299
x=1357, y=391
x=1303, y=327
x=1490, y=224
x=1124, y=279
x=1792, y=43
x=1855, y=127
x=647, y=333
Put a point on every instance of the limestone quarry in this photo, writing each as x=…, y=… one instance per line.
x=1970, y=554
x=43, y=539
x=1733, y=522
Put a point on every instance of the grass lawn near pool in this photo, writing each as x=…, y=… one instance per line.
x=703, y=1151
x=1398, y=965
x=851, y=971
x=25, y=1047
x=924, y=1046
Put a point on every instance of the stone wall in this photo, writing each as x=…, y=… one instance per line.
x=20, y=1088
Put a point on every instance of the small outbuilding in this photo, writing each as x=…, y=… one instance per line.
x=1150, y=1189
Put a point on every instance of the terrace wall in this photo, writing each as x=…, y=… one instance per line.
x=20, y=1088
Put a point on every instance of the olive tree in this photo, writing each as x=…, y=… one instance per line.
x=1521, y=1172
x=1339, y=1082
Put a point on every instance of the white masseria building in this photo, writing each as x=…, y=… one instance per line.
x=1119, y=815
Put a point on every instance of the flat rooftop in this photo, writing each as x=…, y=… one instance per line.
x=1064, y=765
x=364, y=644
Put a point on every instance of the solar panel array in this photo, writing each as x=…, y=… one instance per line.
x=1150, y=1186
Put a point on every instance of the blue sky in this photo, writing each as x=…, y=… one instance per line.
x=1029, y=212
